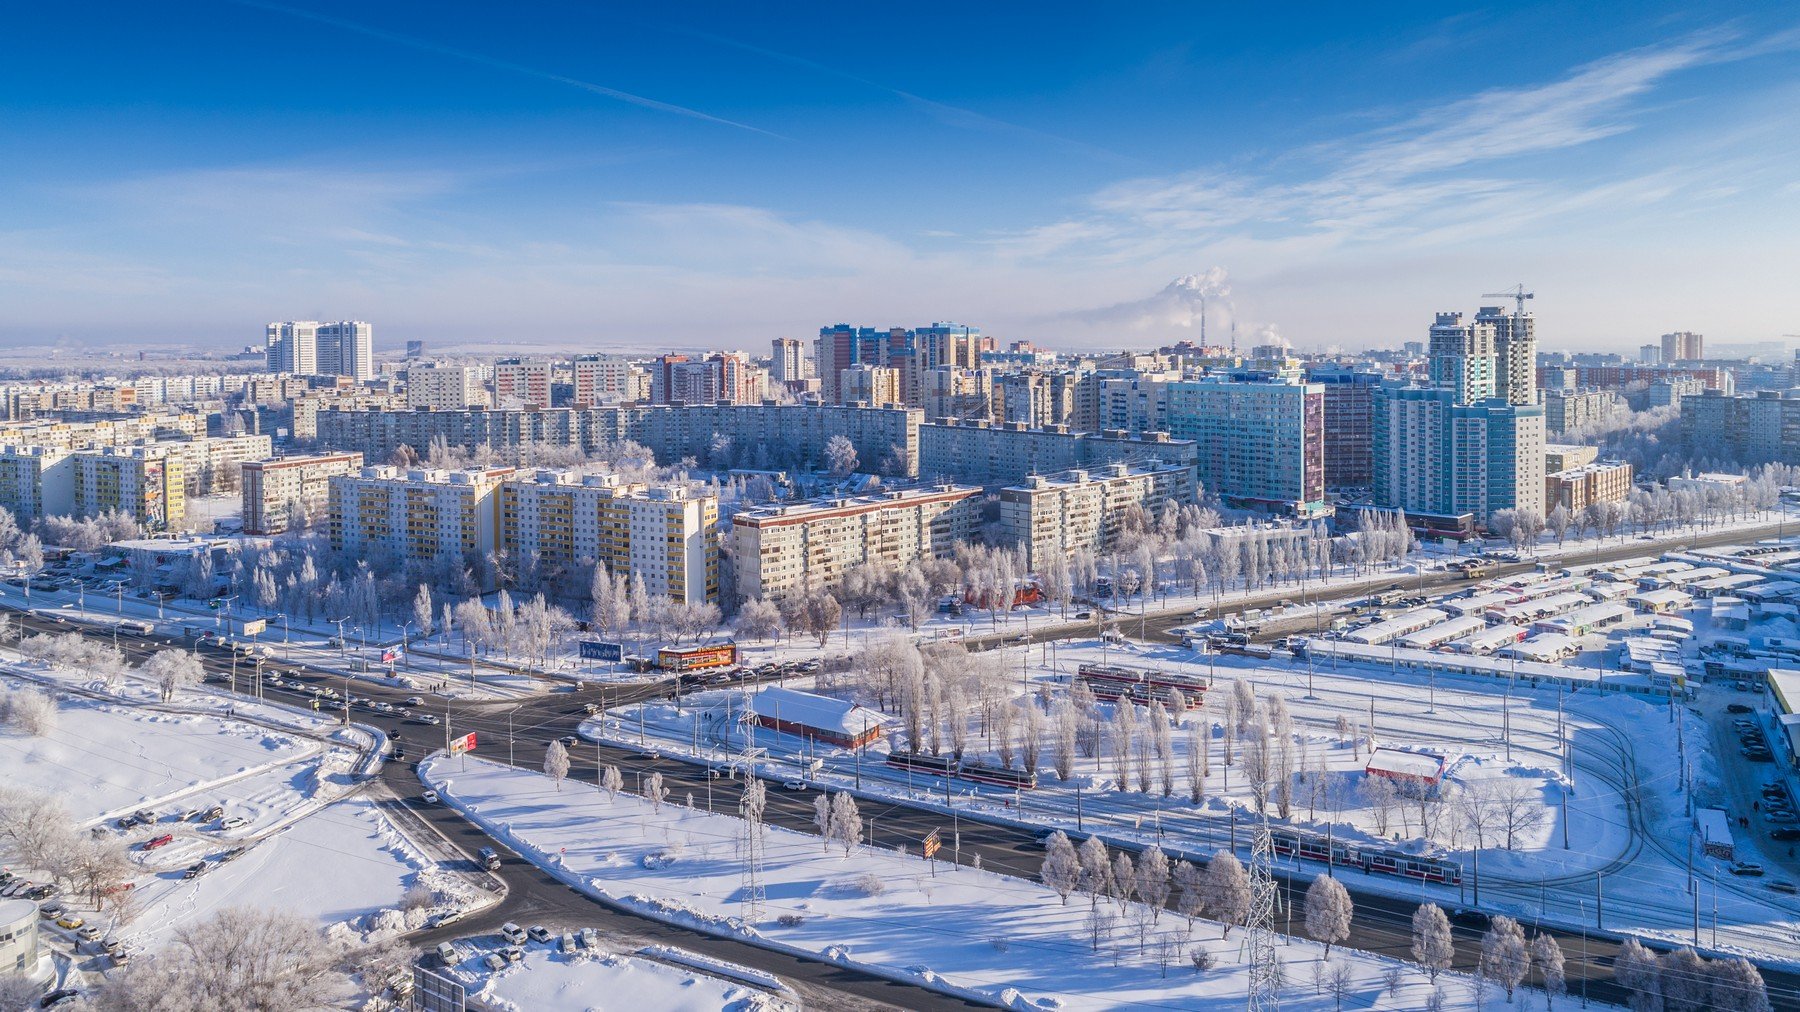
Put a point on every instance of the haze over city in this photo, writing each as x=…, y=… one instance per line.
x=731, y=174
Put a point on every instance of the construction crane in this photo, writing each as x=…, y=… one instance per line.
x=1518, y=294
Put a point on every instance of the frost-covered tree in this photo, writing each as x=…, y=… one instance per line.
x=840, y=456
x=1153, y=880
x=759, y=619
x=28, y=709
x=556, y=762
x=654, y=791
x=1636, y=970
x=1061, y=870
x=1227, y=891
x=1066, y=732
x=846, y=821
x=1432, y=944
x=247, y=959
x=1328, y=911
x=1686, y=982
x=822, y=819
x=1124, y=878
x=1547, y=957
x=1096, y=869
x=1738, y=985
x=1505, y=958
x=173, y=670
x=612, y=781
x=1190, y=890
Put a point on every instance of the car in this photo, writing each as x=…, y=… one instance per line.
x=512, y=933
x=429, y=797
x=1741, y=686
x=494, y=961
x=159, y=841
x=589, y=938
x=190, y=815
x=1780, y=817
x=195, y=870
x=513, y=953
x=427, y=718
x=568, y=740
x=538, y=933
x=649, y=753
x=59, y=997
x=794, y=785
x=1783, y=887
x=446, y=918
x=567, y=945
x=1470, y=918
x=233, y=822
x=1736, y=708
x=215, y=812
x=447, y=954
x=39, y=892
x=1785, y=833
x=89, y=932
x=50, y=911
x=415, y=701
x=1774, y=790
x=1746, y=868
x=69, y=922
x=145, y=816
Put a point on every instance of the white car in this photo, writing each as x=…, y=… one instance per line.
x=231, y=822
x=429, y=797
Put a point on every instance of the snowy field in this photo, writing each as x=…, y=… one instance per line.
x=959, y=930
x=550, y=981
x=104, y=759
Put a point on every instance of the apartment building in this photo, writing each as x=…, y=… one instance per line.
x=788, y=361
x=522, y=381
x=1572, y=409
x=869, y=384
x=1436, y=456
x=308, y=347
x=1683, y=346
x=1749, y=429
x=1053, y=516
x=388, y=515
x=1564, y=456
x=444, y=386
x=785, y=548
x=778, y=431
x=602, y=379
x=145, y=482
x=1260, y=439
x=668, y=535
x=37, y=481
x=1349, y=424
x=287, y=492
x=215, y=463
x=992, y=454
x=1574, y=489
x=956, y=393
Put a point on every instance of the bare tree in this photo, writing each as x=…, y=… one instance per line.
x=1341, y=980
x=759, y=619
x=1066, y=732
x=1378, y=795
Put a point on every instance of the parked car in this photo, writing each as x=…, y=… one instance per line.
x=233, y=822
x=159, y=841
x=1783, y=887
x=512, y=933
x=195, y=870
x=69, y=922
x=567, y=944
x=1746, y=868
x=589, y=938
x=1737, y=708
x=1785, y=833
x=494, y=961
x=538, y=933
x=59, y=997
x=1780, y=817
x=447, y=954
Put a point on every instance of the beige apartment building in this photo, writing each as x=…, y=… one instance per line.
x=668, y=535
x=1578, y=487
x=417, y=514
x=145, y=482
x=279, y=492
x=787, y=547
x=1052, y=517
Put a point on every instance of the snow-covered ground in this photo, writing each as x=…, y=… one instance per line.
x=954, y=929
x=548, y=980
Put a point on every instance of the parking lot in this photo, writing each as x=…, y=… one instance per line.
x=1763, y=808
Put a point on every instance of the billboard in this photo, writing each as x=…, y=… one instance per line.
x=254, y=626
x=464, y=744
x=599, y=650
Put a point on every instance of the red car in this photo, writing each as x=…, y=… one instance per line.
x=161, y=841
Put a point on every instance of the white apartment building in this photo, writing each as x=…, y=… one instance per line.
x=522, y=381
x=443, y=386
x=668, y=535
x=602, y=379
x=788, y=547
x=420, y=514
x=215, y=462
x=279, y=492
x=1053, y=516
x=37, y=481
x=293, y=347
x=311, y=348
x=788, y=360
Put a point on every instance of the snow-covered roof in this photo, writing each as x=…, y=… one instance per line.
x=791, y=706
x=1786, y=683
x=1400, y=762
x=1667, y=595
x=1714, y=827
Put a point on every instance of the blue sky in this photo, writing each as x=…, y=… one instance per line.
x=721, y=175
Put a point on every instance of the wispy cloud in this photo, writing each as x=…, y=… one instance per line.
x=1457, y=163
x=424, y=45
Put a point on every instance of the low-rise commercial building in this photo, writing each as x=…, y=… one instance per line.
x=787, y=547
